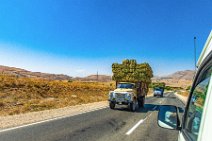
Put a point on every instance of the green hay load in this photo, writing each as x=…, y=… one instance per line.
x=130, y=71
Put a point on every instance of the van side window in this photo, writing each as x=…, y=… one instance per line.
x=196, y=104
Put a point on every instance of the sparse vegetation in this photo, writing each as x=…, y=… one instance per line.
x=158, y=84
x=188, y=88
x=20, y=95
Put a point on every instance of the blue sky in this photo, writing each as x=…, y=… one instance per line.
x=79, y=37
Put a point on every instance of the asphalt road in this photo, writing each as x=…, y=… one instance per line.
x=102, y=125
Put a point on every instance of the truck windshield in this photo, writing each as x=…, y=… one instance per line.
x=157, y=89
x=125, y=85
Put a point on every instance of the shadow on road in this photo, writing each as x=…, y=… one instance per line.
x=149, y=106
x=145, y=109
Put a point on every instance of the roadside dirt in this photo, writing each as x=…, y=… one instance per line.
x=183, y=98
x=27, y=118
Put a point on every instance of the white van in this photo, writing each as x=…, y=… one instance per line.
x=197, y=119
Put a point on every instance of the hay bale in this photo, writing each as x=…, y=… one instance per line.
x=129, y=70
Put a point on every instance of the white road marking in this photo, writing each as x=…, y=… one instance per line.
x=168, y=94
x=136, y=125
x=154, y=107
x=52, y=119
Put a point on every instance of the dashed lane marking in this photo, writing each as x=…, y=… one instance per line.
x=136, y=125
x=155, y=108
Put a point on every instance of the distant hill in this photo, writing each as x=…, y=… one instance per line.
x=101, y=78
x=185, y=75
x=178, y=79
x=25, y=73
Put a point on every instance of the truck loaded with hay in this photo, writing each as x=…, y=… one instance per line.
x=132, y=84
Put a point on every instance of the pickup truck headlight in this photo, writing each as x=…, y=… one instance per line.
x=129, y=96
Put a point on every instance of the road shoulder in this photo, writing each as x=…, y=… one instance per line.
x=184, y=99
x=33, y=117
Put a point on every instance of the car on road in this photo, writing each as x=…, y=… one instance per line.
x=158, y=92
x=196, y=122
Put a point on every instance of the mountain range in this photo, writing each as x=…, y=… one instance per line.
x=178, y=79
x=25, y=73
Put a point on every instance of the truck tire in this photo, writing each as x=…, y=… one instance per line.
x=133, y=106
x=112, y=105
x=139, y=103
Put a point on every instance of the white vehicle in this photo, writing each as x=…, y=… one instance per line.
x=197, y=119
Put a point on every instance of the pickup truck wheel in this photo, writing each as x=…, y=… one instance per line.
x=141, y=102
x=133, y=106
x=112, y=105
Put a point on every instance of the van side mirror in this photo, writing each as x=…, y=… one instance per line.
x=168, y=117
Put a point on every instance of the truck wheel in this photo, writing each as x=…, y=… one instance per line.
x=142, y=102
x=112, y=105
x=139, y=104
x=133, y=106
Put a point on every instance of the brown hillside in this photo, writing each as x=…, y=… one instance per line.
x=178, y=79
x=24, y=73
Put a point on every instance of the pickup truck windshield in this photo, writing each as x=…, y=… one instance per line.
x=125, y=85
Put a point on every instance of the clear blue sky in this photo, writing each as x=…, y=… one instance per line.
x=79, y=37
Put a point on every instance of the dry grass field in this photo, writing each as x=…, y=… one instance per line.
x=183, y=92
x=21, y=95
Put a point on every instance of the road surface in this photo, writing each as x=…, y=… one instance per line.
x=101, y=125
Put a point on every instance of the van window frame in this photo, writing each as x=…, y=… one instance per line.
x=197, y=79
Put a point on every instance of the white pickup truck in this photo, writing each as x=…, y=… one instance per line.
x=196, y=124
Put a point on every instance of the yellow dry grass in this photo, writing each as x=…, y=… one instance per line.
x=183, y=93
x=21, y=95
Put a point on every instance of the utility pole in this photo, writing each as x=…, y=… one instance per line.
x=97, y=76
x=195, y=63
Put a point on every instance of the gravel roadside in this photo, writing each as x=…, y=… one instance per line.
x=27, y=118
x=184, y=99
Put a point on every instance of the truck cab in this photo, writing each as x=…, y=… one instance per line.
x=126, y=93
x=196, y=123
